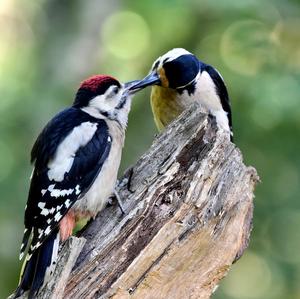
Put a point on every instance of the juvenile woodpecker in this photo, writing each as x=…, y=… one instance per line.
x=179, y=78
x=76, y=159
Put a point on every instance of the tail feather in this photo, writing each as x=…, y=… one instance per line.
x=27, y=233
x=39, y=267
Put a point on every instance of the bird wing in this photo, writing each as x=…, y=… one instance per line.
x=84, y=144
x=221, y=90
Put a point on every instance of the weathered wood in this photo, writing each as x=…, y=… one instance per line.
x=189, y=212
x=188, y=203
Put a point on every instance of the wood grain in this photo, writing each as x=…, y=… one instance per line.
x=189, y=206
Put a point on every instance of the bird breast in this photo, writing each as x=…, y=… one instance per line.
x=97, y=196
x=165, y=105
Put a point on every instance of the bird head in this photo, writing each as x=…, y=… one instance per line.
x=176, y=69
x=104, y=96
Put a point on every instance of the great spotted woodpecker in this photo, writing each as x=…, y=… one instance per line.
x=76, y=159
x=179, y=78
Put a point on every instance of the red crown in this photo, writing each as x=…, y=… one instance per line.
x=94, y=82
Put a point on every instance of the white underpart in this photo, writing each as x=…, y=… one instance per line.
x=97, y=196
x=206, y=95
x=65, y=153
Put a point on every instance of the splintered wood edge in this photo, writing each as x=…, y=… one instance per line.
x=192, y=262
x=189, y=206
x=103, y=268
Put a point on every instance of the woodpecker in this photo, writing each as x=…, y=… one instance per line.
x=179, y=78
x=76, y=159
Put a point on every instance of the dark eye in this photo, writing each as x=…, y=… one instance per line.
x=115, y=89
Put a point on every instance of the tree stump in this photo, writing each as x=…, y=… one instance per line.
x=189, y=206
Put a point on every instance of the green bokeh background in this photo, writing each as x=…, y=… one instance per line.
x=48, y=47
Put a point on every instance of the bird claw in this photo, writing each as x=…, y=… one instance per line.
x=116, y=196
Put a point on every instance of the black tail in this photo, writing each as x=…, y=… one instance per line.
x=39, y=266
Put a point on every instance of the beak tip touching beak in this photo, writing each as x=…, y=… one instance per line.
x=136, y=85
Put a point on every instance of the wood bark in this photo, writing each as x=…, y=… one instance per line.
x=189, y=206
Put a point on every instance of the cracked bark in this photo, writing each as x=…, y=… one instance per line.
x=188, y=203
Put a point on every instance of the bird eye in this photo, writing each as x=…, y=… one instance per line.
x=112, y=91
x=115, y=89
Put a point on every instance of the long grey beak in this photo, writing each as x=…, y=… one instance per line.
x=128, y=85
x=151, y=79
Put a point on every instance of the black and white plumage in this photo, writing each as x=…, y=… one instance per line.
x=76, y=159
x=179, y=78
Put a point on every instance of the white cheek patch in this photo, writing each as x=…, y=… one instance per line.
x=106, y=102
x=106, y=105
x=65, y=153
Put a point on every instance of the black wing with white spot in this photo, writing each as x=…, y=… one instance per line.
x=51, y=196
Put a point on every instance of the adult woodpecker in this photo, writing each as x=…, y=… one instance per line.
x=179, y=78
x=76, y=159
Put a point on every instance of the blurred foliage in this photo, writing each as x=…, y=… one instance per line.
x=48, y=47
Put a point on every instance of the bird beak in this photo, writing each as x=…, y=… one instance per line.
x=151, y=79
x=130, y=84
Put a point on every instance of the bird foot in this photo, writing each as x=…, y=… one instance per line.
x=119, y=200
x=66, y=226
